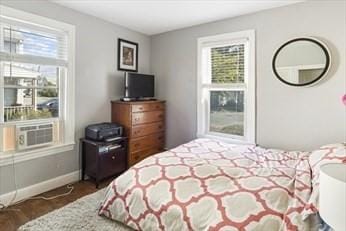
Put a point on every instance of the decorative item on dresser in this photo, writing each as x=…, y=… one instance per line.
x=102, y=159
x=144, y=125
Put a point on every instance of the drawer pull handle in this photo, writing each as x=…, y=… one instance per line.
x=113, y=147
x=159, y=126
x=140, y=108
x=160, y=116
x=113, y=157
x=160, y=138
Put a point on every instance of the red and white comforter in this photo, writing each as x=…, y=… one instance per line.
x=210, y=185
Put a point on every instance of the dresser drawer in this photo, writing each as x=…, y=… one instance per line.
x=147, y=117
x=148, y=107
x=144, y=124
x=147, y=129
x=145, y=142
x=140, y=155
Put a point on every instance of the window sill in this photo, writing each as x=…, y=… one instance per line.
x=28, y=122
x=226, y=139
x=8, y=159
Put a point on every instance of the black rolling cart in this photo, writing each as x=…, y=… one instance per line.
x=102, y=160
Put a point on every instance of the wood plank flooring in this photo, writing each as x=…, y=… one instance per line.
x=18, y=215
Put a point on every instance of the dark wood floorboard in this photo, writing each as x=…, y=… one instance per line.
x=19, y=214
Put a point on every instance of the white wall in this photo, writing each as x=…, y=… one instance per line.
x=97, y=82
x=287, y=117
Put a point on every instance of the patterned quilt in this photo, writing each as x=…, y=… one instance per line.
x=210, y=185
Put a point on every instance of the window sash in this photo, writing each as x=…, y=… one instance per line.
x=62, y=95
x=35, y=59
x=206, y=99
x=28, y=87
x=209, y=42
x=20, y=58
x=205, y=86
x=16, y=26
x=206, y=61
x=32, y=59
x=232, y=86
x=15, y=21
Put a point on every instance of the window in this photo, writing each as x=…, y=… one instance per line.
x=36, y=82
x=226, y=86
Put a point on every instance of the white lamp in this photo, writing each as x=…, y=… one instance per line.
x=332, y=199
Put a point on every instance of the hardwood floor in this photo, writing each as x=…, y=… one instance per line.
x=19, y=214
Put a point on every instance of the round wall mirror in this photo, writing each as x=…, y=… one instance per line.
x=301, y=61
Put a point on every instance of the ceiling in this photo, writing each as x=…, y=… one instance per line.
x=157, y=16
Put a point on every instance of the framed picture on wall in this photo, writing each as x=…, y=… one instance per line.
x=127, y=55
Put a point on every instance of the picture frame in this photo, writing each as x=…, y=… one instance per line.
x=127, y=55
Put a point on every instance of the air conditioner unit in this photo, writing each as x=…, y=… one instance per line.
x=32, y=136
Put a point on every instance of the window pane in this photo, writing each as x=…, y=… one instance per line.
x=26, y=41
x=48, y=101
x=28, y=75
x=30, y=92
x=27, y=104
x=227, y=112
x=227, y=64
x=18, y=97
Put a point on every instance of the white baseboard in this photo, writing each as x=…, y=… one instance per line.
x=39, y=188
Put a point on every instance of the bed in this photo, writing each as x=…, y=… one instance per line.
x=210, y=185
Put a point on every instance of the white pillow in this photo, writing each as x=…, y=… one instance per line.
x=332, y=153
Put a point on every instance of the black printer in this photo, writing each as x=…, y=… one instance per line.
x=104, y=132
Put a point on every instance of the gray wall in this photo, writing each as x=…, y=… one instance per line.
x=287, y=117
x=97, y=82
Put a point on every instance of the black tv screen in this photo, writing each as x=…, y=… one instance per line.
x=139, y=86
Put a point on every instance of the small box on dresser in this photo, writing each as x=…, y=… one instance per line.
x=144, y=125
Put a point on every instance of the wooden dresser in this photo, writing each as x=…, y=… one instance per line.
x=144, y=125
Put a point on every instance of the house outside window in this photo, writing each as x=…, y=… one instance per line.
x=226, y=87
x=36, y=83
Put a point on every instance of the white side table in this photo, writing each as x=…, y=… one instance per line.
x=332, y=199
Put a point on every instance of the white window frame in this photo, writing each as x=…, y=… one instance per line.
x=203, y=88
x=67, y=91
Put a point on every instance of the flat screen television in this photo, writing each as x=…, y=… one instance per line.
x=139, y=86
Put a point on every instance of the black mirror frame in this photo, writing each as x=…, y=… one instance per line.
x=326, y=67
